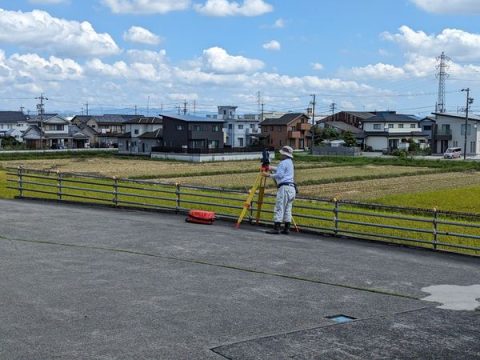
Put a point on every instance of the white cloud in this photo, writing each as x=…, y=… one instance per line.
x=317, y=66
x=146, y=6
x=39, y=30
x=217, y=60
x=233, y=8
x=455, y=43
x=272, y=45
x=141, y=35
x=378, y=71
x=449, y=6
x=279, y=23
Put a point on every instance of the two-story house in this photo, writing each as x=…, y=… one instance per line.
x=292, y=129
x=387, y=131
x=192, y=132
x=13, y=124
x=239, y=131
x=449, y=131
x=141, y=135
x=51, y=131
x=108, y=127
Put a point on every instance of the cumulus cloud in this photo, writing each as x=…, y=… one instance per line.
x=233, y=8
x=137, y=34
x=39, y=30
x=279, y=23
x=272, y=45
x=146, y=6
x=456, y=43
x=378, y=71
x=217, y=60
x=449, y=6
x=317, y=66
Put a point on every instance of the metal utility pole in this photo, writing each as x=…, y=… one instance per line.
x=442, y=75
x=468, y=102
x=41, y=112
x=86, y=108
x=261, y=114
x=259, y=100
x=313, y=123
x=332, y=107
x=185, y=107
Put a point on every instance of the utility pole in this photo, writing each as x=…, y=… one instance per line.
x=442, y=75
x=194, y=106
x=313, y=123
x=468, y=103
x=259, y=100
x=261, y=113
x=135, y=109
x=41, y=112
x=86, y=107
x=185, y=107
x=332, y=107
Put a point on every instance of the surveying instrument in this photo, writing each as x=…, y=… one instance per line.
x=259, y=185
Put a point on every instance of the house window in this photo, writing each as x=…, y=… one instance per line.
x=240, y=127
x=412, y=126
x=427, y=127
x=469, y=129
x=136, y=132
x=240, y=142
x=215, y=128
x=252, y=126
x=473, y=147
x=455, y=143
x=391, y=126
x=197, y=128
x=400, y=126
x=179, y=127
x=230, y=126
x=377, y=126
x=292, y=128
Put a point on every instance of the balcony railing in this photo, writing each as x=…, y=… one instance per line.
x=294, y=135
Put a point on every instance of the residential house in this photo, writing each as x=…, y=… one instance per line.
x=341, y=128
x=292, y=129
x=449, y=131
x=142, y=133
x=13, y=124
x=387, y=130
x=240, y=131
x=353, y=118
x=50, y=131
x=192, y=132
x=108, y=127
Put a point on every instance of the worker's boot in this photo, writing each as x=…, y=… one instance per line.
x=286, y=229
x=275, y=230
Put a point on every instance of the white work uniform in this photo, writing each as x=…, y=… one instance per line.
x=284, y=176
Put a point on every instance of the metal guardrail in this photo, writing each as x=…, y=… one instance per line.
x=441, y=231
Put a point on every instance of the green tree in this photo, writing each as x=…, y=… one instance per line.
x=349, y=139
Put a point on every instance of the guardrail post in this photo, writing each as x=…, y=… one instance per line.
x=435, y=228
x=59, y=185
x=177, y=200
x=335, y=216
x=20, y=180
x=115, y=191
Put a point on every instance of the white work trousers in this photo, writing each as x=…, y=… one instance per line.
x=283, y=204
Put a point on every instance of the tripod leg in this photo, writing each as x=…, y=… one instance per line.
x=261, y=193
x=248, y=202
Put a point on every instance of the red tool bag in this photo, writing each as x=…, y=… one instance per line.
x=200, y=217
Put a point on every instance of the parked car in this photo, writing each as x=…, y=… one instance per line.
x=453, y=153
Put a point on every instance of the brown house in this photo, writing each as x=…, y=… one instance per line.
x=292, y=129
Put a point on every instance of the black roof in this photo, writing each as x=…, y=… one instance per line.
x=12, y=117
x=157, y=134
x=191, y=118
x=284, y=120
x=145, y=120
x=392, y=116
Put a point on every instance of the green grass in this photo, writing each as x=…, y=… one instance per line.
x=308, y=213
x=464, y=199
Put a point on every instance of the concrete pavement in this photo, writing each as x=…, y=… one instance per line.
x=93, y=283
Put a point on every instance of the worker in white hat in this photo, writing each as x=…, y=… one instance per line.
x=283, y=175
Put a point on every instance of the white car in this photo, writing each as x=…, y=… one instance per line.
x=453, y=153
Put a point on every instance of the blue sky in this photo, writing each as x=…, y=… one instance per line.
x=118, y=54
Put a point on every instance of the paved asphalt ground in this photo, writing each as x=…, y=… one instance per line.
x=93, y=283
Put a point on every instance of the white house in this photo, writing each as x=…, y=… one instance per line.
x=387, y=130
x=449, y=131
x=239, y=131
x=13, y=124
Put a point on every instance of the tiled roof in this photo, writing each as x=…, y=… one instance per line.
x=389, y=116
x=145, y=120
x=190, y=118
x=284, y=120
x=12, y=117
x=157, y=134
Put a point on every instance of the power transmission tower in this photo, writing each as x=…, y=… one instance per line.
x=41, y=112
x=442, y=75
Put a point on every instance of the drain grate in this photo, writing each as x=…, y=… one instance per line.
x=340, y=319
